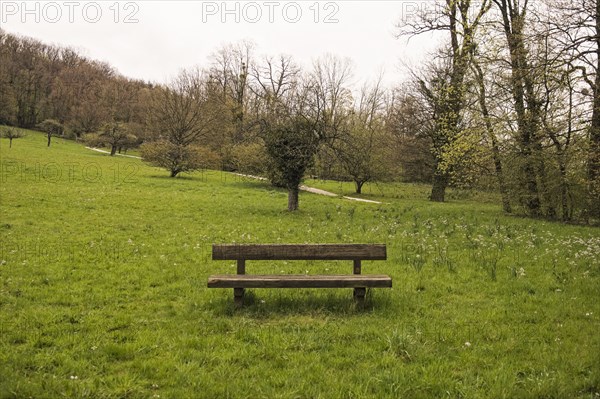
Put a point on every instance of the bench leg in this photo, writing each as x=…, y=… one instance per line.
x=359, y=295
x=238, y=297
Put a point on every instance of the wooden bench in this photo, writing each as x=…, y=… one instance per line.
x=353, y=252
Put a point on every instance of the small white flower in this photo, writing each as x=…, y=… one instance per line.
x=74, y=377
x=467, y=344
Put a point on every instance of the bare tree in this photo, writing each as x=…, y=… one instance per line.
x=577, y=23
x=330, y=95
x=52, y=128
x=230, y=72
x=181, y=117
x=362, y=145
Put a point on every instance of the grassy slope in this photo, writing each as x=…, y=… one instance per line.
x=104, y=263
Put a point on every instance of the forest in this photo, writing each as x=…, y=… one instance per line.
x=509, y=103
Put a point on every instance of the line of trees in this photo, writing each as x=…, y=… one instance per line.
x=515, y=90
x=510, y=102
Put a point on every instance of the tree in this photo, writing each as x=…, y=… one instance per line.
x=329, y=95
x=11, y=133
x=482, y=97
x=527, y=105
x=114, y=135
x=230, y=74
x=291, y=120
x=449, y=94
x=181, y=118
x=177, y=158
x=409, y=122
x=291, y=145
x=578, y=25
x=362, y=145
x=52, y=128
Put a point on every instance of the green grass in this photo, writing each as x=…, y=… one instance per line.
x=104, y=263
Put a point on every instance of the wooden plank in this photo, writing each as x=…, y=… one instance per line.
x=299, y=251
x=299, y=281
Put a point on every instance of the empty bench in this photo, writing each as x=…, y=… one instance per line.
x=354, y=252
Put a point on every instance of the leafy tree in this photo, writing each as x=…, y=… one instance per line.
x=177, y=158
x=250, y=157
x=527, y=104
x=449, y=94
x=114, y=135
x=291, y=145
x=11, y=133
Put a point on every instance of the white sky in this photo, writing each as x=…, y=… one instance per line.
x=161, y=37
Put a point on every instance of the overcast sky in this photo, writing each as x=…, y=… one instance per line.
x=153, y=40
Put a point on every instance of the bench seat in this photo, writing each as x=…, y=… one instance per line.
x=354, y=252
x=299, y=281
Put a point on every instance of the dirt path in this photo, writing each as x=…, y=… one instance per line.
x=108, y=152
x=316, y=190
x=302, y=187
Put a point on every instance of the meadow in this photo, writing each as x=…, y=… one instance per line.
x=104, y=263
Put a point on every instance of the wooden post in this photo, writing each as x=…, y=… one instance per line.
x=357, y=266
x=359, y=292
x=359, y=295
x=238, y=297
x=238, y=293
x=241, y=266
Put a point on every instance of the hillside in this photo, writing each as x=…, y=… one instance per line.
x=104, y=263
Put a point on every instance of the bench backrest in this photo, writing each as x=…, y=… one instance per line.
x=299, y=252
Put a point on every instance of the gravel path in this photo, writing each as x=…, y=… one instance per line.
x=302, y=187
x=317, y=191
x=108, y=152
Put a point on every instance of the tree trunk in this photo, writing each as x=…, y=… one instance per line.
x=522, y=87
x=564, y=190
x=490, y=130
x=594, y=149
x=293, y=199
x=174, y=173
x=500, y=176
x=10, y=142
x=113, y=150
x=359, y=185
x=531, y=198
x=49, y=138
x=438, y=189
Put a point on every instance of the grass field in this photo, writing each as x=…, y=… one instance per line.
x=104, y=263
